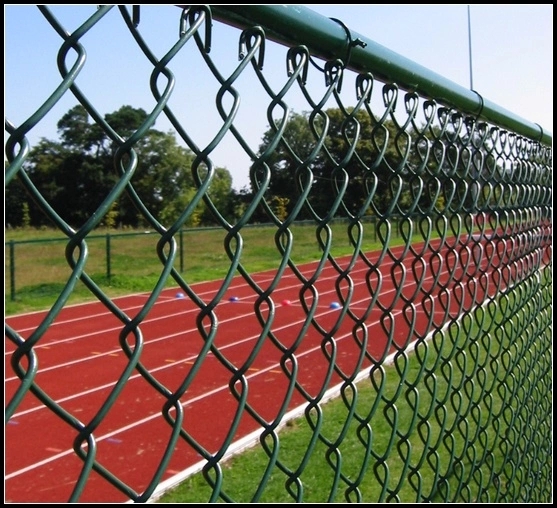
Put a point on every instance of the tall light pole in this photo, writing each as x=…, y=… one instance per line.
x=470, y=48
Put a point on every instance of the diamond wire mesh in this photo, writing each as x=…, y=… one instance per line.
x=459, y=364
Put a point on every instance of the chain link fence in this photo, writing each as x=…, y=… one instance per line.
x=439, y=349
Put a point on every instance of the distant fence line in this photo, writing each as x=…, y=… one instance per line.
x=11, y=247
x=107, y=237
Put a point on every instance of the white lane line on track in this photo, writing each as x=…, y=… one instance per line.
x=109, y=435
x=158, y=414
x=158, y=339
x=185, y=404
x=136, y=307
x=241, y=283
x=182, y=332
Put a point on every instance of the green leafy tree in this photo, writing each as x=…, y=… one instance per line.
x=219, y=202
x=75, y=174
x=347, y=163
x=456, y=166
x=18, y=209
x=331, y=162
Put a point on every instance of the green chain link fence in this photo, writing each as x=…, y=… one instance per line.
x=458, y=398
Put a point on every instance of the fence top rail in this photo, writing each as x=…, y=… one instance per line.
x=325, y=38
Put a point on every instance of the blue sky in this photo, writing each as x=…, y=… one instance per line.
x=512, y=54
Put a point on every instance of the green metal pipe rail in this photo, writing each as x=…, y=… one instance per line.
x=325, y=38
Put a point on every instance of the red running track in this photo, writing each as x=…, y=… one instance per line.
x=81, y=360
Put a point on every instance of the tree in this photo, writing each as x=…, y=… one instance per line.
x=347, y=163
x=331, y=162
x=75, y=174
x=17, y=207
x=459, y=165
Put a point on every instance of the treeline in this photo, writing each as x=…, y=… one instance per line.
x=327, y=164
x=75, y=174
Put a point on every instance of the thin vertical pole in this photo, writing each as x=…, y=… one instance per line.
x=470, y=49
x=181, y=251
x=12, y=270
x=108, y=274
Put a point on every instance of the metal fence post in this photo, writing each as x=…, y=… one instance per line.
x=181, y=251
x=108, y=257
x=12, y=270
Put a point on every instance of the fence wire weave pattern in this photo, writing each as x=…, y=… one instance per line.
x=438, y=346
